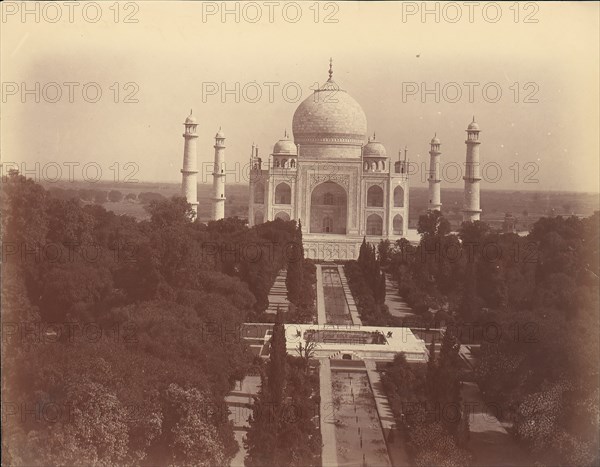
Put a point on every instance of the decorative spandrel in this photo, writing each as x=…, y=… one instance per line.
x=342, y=180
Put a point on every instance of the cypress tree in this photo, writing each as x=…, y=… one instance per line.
x=363, y=253
x=447, y=384
x=294, y=280
x=381, y=288
x=431, y=369
x=276, y=365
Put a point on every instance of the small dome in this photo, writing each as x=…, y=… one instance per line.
x=190, y=120
x=473, y=125
x=220, y=134
x=435, y=140
x=374, y=149
x=285, y=147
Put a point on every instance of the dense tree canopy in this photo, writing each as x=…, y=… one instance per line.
x=539, y=296
x=123, y=336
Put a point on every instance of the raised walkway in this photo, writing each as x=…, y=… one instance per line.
x=278, y=294
x=329, y=450
x=393, y=438
x=349, y=298
x=239, y=404
x=489, y=442
x=321, y=317
x=396, y=304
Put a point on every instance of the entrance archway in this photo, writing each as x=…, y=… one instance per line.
x=328, y=209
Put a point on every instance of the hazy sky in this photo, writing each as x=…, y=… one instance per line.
x=173, y=53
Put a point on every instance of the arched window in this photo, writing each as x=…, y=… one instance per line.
x=284, y=216
x=277, y=163
x=284, y=164
x=375, y=196
x=327, y=224
x=366, y=166
x=328, y=199
x=283, y=194
x=259, y=193
x=398, y=225
x=293, y=164
x=398, y=197
x=374, y=225
x=373, y=166
x=258, y=217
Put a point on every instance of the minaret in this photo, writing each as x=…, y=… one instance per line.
x=189, y=182
x=435, y=203
x=219, y=177
x=471, y=211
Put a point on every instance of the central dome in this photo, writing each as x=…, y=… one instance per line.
x=329, y=116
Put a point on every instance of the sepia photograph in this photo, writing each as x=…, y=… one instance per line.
x=300, y=233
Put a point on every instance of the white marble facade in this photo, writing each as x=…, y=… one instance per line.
x=341, y=185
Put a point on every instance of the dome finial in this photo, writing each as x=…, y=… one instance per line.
x=473, y=118
x=330, y=68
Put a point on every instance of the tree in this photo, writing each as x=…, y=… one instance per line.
x=307, y=351
x=380, y=288
x=446, y=377
x=129, y=283
x=363, y=253
x=431, y=368
x=276, y=365
x=433, y=224
x=294, y=279
x=100, y=196
x=191, y=439
x=114, y=196
x=383, y=252
x=24, y=218
x=169, y=213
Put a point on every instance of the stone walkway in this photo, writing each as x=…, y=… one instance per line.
x=278, y=294
x=394, y=301
x=329, y=451
x=490, y=444
x=394, y=442
x=349, y=298
x=239, y=404
x=321, y=317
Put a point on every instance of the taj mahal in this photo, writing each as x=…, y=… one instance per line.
x=339, y=183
